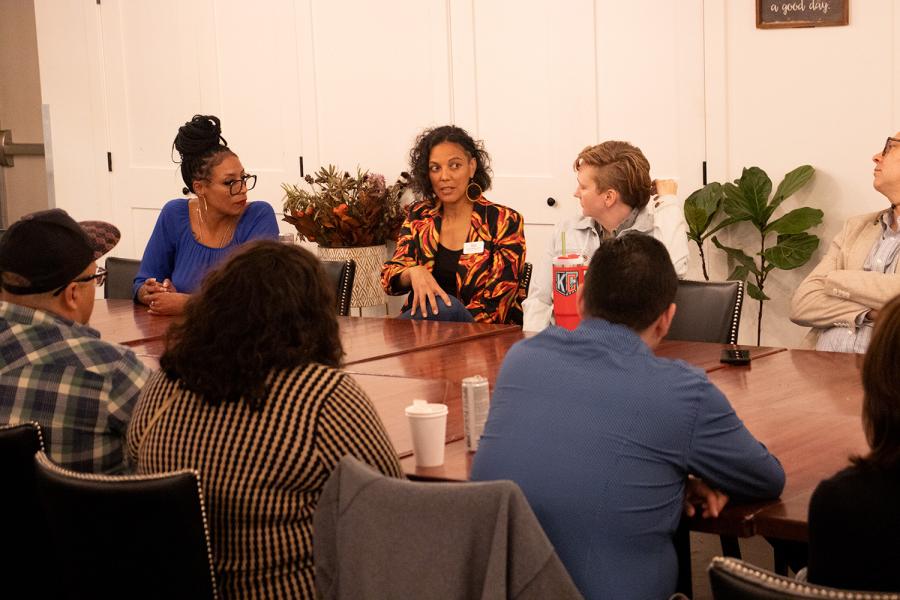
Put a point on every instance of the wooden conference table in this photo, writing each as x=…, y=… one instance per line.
x=804, y=405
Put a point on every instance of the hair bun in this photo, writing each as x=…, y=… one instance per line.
x=201, y=134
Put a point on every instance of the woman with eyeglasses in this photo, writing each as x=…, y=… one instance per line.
x=250, y=393
x=843, y=295
x=192, y=235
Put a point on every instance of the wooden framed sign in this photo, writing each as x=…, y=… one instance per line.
x=773, y=14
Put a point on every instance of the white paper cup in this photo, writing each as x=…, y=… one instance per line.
x=428, y=425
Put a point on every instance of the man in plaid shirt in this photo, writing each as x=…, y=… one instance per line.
x=54, y=369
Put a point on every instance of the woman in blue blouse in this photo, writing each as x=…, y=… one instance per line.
x=193, y=235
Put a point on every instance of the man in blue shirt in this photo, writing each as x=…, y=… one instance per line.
x=609, y=441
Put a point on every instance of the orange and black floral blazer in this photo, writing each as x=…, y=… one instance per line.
x=488, y=282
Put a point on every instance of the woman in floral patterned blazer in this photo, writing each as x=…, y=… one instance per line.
x=456, y=245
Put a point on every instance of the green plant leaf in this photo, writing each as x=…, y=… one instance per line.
x=748, y=197
x=721, y=225
x=756, y=293
x=738, y=256
x=701, y=206
x=792, y=182
x=792, y=250
x=739, y=273
x=796, y=221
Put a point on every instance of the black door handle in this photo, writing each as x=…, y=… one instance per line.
x=551, y=202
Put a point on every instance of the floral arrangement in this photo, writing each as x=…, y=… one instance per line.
x=343, y=211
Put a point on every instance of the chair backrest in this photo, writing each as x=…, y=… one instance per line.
x=525, y=280
x=376, y=537
x=708, y=311
x=342, y=274
x=120, y=274
x=733, y=579
x=136, y=535
x=24, y=534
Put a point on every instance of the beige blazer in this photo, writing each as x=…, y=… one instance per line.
x=838, y=290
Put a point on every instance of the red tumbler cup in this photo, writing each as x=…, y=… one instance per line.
x=568, y=276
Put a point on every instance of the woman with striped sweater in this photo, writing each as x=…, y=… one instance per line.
x=250, y=394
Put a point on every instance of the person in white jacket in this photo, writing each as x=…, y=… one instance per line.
x=617, y=198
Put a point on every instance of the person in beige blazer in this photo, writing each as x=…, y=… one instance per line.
x=841, y=297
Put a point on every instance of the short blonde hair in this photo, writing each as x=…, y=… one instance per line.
x=622, y=167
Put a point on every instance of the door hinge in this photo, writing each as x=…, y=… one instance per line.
x=109, y=161
x=704, y=172
x=301, y=166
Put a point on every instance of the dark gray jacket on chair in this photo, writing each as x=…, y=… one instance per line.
x=377, y=537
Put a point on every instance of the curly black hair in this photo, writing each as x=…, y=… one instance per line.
x=428, y=139
x=270, y=306
x=201, y=147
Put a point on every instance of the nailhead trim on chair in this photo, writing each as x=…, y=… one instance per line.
x=46, y=462
x=736, y=314
x=346, y=289
x=36, y=426
x=792, y=585
x=526, y=280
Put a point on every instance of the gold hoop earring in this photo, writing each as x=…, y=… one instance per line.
x=473, y=189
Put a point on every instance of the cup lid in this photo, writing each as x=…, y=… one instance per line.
x=422, y=408
x=569, y=260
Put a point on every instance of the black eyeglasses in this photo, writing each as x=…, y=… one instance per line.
x=888, y=145
x=236, y=185
x=99, y=278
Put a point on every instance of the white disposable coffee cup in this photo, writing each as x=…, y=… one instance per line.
x=428, y=425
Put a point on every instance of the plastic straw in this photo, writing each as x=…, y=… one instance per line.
x=563, y=235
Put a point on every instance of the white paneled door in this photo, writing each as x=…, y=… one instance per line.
x=650, y=82
x=524, y=82
x=168, y=60
x=351, y=82
x=540, y=81
x=375, y=74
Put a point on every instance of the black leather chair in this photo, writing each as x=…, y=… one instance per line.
x=525, y=280
x=120, y=274
x=733, y=579
x=342, y=274
x=129, y=536
x=23, y=542
x=708, y=311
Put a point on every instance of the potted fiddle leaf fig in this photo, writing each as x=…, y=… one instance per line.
x=747, y=199
x=700, y=211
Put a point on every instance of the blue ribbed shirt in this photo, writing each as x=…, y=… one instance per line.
x=601, y=434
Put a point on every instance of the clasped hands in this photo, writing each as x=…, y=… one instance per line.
x=162, y=298
x=700, y=497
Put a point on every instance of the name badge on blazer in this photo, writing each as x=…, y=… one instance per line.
x=473, y=247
